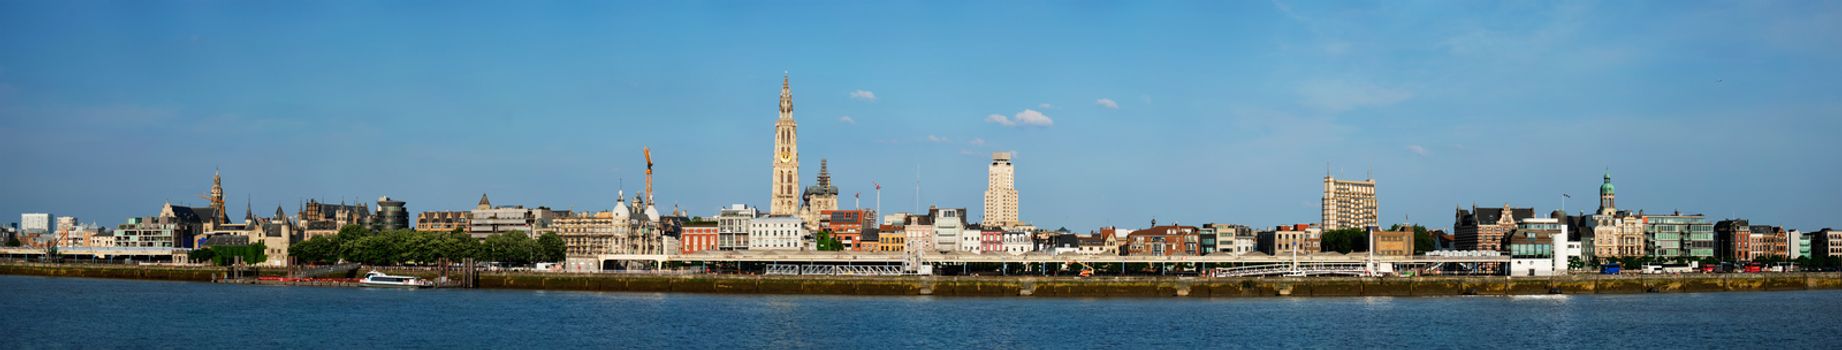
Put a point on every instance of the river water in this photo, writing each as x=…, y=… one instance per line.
x=44, y=312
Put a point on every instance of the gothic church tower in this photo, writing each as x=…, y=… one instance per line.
x=786, y=157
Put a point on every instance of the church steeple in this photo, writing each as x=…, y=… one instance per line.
x=1607, y=193
x=824, y=174
x=484, y=204
x=786, y=97
x=217, y=198
x=785, y=200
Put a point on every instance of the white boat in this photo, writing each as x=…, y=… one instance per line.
x=379, y=279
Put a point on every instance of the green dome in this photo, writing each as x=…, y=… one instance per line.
x=1606, y=188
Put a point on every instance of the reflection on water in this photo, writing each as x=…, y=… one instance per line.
x=92, y=313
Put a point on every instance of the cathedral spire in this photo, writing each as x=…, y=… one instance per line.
x=786, y=156
x=824, y=174
x=786, y=97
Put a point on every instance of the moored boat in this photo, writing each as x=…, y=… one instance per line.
x=380, y=279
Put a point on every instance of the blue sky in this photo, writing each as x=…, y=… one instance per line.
x=1120, y=112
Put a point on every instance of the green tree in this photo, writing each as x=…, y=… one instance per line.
x=348, y=236
x=201, y=255
x=456, y=246
x=550, y=248
x=1345, y=240
x=258, y=253
x=318, y=250
x=513, y=248
x=371, y=250
x=825, y=242
x=12, y=241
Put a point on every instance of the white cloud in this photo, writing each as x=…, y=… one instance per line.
x=1028, y=117
x=1000, y=120
x=1341, y=96
x=1032, y=117
x=863, y=95
x=1107, y=102
x=1045, y=106
x=936, y=139
x=847, y=120
x=1417, y=149
x=976, y=142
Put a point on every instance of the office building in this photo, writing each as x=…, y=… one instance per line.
x=1349, y=204
x=391, y=214
x=732, y=225
x=1679, y=236
x=777, y=233
x=1000, y=192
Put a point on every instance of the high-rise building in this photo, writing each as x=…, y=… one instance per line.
x=35, y=223
x=1000, y=192
x=391, y=214
x=786, y=157
x=1348, y=203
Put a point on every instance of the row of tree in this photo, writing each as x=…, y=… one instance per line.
x=356, y=243
x=225, y=255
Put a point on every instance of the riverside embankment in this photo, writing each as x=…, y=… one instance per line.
x=1051, y=286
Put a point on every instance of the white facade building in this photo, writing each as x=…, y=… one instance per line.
x=969, y=241
x=949, y=225
x=39, y=223
x=732, y=226
x=776, y=233
x=1017, y=242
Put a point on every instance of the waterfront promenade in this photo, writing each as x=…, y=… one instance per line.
x=1037, y=286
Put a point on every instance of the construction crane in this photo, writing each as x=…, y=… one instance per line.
x=648, y=152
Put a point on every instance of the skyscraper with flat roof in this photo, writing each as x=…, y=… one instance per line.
x=1348, y=203
x=1000, y=192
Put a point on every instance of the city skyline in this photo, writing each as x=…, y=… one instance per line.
x=1097, y=141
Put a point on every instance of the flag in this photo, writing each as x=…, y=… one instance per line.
x=879, y=187
x=857, y=195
